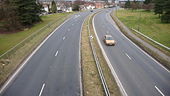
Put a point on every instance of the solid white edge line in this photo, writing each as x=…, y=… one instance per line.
x=109, y=64
x=143, y=51
x=159, y=91
x=64, y=38
x=27, y=59
x=56, y=53
x=81, y=85
x=42, y=89
x=128, y=56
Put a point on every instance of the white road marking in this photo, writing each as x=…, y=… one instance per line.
x=64, y=38
x=76, y=16
x=56, y=53
x=128, y=56
x=143, y=51
x=81, y=88
x=72, y=24
x=121, y=33
x=124, y=93
x=159, y=91
x=68, y=29
x=7, y=83
x=42, y=89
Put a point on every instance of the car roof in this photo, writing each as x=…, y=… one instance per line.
x=108, y=35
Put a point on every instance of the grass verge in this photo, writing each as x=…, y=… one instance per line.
x=154, y=54
x=147, y=23
x=91, y=80
x=7, y=41
x=10, y=62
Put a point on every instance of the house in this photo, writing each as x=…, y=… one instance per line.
x=62, y=6
x=65, y=6
x=99, y=4
x=46, y=5
x=89, y=5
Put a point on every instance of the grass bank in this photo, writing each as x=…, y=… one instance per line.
x=147, y=23
x=10, y=62
x=7, y=41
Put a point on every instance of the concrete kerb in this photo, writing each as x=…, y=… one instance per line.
x=80, y=62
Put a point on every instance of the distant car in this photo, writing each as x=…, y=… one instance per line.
x=91, y=10
x=108, y=40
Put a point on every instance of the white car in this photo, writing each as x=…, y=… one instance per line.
x=108, y=40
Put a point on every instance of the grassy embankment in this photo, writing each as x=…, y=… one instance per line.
x=9, y=62
x=148, y=24
x=91, y=80
x=7, y=41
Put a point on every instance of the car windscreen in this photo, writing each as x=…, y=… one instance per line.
x=109, y=38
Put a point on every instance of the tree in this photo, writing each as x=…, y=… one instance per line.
x=158, y=9
x=9, y=19
x=40, y=7
x=148, y=5
x=49, y=10
x=147, y=2
x=76, y=7
x=134, y=5
x=28, y=11
x=53, y=7
x=127, y=4
x=166, y=14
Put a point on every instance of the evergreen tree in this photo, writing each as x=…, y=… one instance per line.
x=158, y=9
x=147, y=1
x=28, y=11
x=53, y=7
x=127, y=4
x=166, y=14
x=9, y=18
x=148, y=5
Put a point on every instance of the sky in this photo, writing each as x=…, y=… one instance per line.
x=71, y=0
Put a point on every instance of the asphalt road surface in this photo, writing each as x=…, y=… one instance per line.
x=54, y=70
x=138, y=73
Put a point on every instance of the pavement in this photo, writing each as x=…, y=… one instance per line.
x=138, y=73
x=54, y=69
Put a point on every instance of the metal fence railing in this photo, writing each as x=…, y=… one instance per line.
x=151, y=39
x=99, y=68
